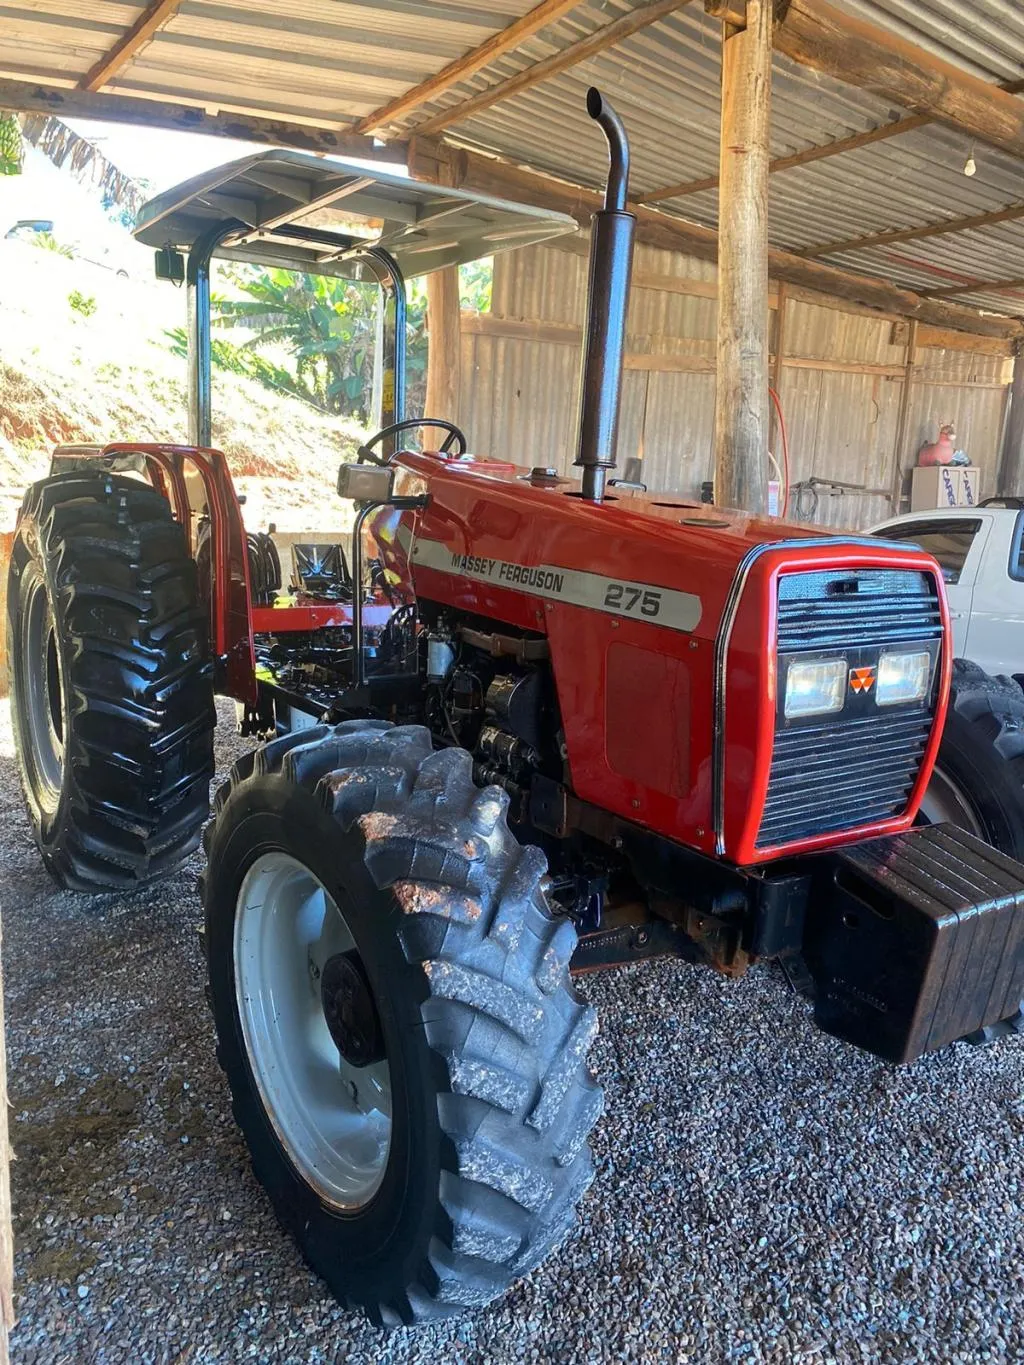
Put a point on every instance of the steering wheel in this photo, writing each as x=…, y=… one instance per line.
x=367, y=455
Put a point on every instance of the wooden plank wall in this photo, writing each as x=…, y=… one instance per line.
x=841, y=380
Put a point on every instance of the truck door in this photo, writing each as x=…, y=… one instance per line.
x=996, y=636
x=958, y=544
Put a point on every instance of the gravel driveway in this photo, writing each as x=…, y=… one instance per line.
x=763, y=1193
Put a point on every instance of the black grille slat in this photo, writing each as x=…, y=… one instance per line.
x=845, y=773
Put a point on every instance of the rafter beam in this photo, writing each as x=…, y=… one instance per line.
x=974, y=287
x=62, y=103
x=786, y=163
x=612, y=33
x=437, y=161
x=937, y=229
x=505, y=40
x=153, y=18
x=859, y=53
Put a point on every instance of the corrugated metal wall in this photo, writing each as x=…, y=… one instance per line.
x=841, y=382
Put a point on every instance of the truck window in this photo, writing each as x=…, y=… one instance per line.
x=1016, y=565
x=948, y=541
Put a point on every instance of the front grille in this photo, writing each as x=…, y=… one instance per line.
x=830, y=777
x=874, y=606
x=841, y=772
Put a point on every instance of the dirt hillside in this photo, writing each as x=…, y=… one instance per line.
x=84, y=357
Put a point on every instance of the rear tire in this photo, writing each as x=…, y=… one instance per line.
x=111, y=681
x=979, y=777
x=489, y=1098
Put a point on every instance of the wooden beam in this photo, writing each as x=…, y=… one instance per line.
x=742, y=405
x=860, y=53
x=153, y=18
x=776, y=375
x=508, y=38
x=444, y=346
x=910, y=355
x=809, y=154
x=612, y=33
x=974, y=287
x=26, y=97
x=939, y=338
x=442, y=163
x=936, y=229
x=1011, y=463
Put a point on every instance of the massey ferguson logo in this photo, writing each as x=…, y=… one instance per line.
x=862, y=679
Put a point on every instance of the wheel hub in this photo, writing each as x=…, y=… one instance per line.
x=351, y=1015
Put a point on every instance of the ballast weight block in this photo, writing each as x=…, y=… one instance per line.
x=916, y=940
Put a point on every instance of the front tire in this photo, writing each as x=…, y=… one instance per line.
x=474, y=1052
x=111, y=681
x=978, y=782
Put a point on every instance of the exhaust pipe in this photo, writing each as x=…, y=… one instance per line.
x=611, y=262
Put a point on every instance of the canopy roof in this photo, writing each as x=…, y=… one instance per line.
x=308, y=213
x=878, y=106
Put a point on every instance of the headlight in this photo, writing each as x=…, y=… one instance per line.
x=815, y=687
x=903, y=677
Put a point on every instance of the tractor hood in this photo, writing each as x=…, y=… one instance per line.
x=310, y=213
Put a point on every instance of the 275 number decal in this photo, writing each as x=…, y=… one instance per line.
x=625, y=597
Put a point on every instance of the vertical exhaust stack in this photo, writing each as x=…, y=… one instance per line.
x=611, y=262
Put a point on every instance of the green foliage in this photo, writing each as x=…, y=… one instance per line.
x=225, y=355
x=48, y=242
x=326, y=328
x=475, y=282
x=82, y=303
x=325, y=324
x=12, y=145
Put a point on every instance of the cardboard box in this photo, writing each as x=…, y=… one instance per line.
x=945, y=485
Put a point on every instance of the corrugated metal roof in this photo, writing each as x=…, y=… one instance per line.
x=334, y=64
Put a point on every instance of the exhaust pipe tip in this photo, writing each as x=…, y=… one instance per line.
x=595, y=103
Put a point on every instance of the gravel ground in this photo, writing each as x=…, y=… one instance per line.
x=763, y=1192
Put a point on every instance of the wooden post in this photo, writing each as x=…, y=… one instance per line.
x=1011, y=464
x=741, y=392
x=774, y=426
x=444, y=348
x=910, y=358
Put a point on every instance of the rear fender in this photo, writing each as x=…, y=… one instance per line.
x=195, y=480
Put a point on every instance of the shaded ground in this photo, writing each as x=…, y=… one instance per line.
x=764, y=1193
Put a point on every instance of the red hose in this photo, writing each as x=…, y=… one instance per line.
x=785, y=449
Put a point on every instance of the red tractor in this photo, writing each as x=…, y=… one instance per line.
x=527, y=728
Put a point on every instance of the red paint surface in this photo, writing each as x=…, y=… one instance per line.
x=493, y=513
x=280, y=620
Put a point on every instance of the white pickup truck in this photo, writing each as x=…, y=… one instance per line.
x=979, y=778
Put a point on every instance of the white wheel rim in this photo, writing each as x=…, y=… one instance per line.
x=945, y=800
x=333, y=1119
x=42, y=695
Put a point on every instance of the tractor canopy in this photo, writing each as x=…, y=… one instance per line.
x=303, y=212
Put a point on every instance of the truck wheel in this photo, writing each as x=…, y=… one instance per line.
x=978, y=782
x=406, y=1056
x=111, y=681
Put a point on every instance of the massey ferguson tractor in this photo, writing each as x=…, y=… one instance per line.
x=525, y=727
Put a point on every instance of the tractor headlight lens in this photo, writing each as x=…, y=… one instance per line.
x=903, y=677
x=815, y=687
